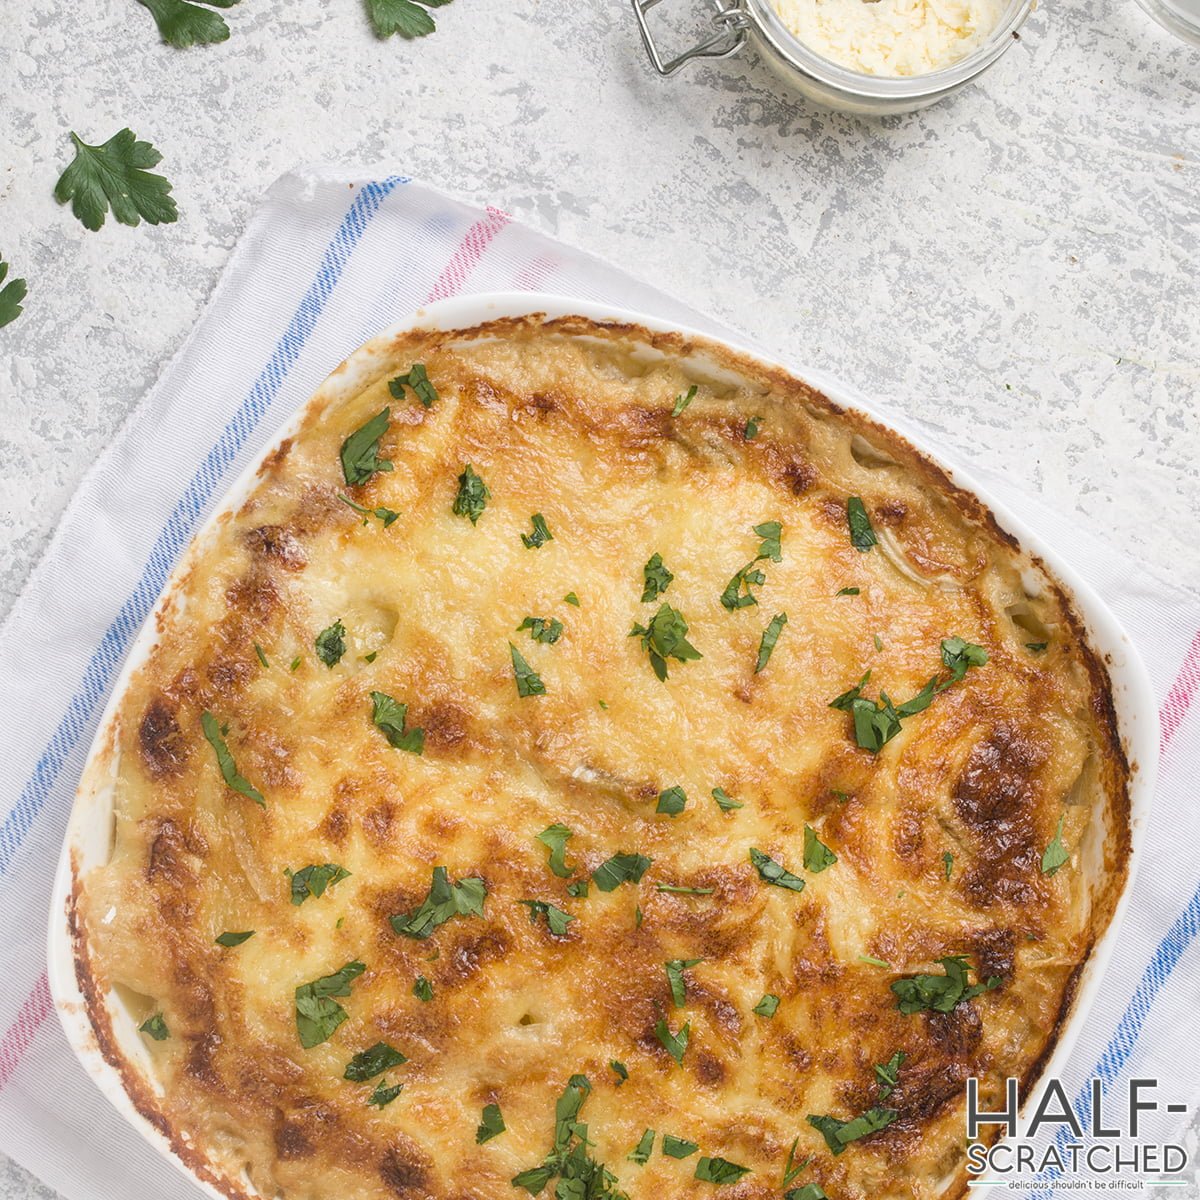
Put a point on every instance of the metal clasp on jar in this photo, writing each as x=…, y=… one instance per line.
x=730, y=21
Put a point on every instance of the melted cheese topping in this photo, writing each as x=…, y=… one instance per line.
x=567, y=420
x=891, y=37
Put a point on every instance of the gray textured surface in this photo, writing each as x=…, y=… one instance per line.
x=1016, y=268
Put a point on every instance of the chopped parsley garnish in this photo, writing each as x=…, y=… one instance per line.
x=114, y=174
x=959, y=655
x=839, y=1134
x=229, y=772
x=683, y=400
x=1036, y=647
x=719, y=1170
x=672, y=801
x=578, y=888
x=541, y=533
x=262, y=658
x=888, y=1072
x=948, y=864
x=360, y=451
x=155, y=1027
x=416, y=379
x=11, y=296
x=675, y=1044
x=318, y=1014
x=492, y=1124
x=768, y=1005
x=331, y=644
x=666, y=637
x=878, y=641
x=313, y=880
x=683, y=891
x=370, y=658
x=655, y=578
x=791, y=1168
x=769, y=638
x=675, y=969
x=295, y=663
x=732, y=598
x=386, y=515
x=817, y=856
x=529, y=682
x=771, y=547
x=769, y=871
x=874, y=962
x=473, y=495
x=675, y=1147
x=862, y=536
x=555, y=917
x=850, y=591
x=571, y=598
x=366, y=1064
x=751, y=430
x=810, y=1191
x=542, y=629
x=423, y=989
x=940, y=993
x=621, y=1070
x=555, y=838
x=640, y=1154
x=725, y=802
x=383, y=1095
x=230, y=939
x=390, y=718
x=445, y=900
x=621, y=868
x=1056, y=854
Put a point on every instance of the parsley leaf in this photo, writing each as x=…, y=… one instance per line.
x=183, y=25
x=817, y=856
x=416, y=379
x=529, y=682
x=423, y=989
x=810, y=1191
x=732, y=598
x=404, y=17
x=313, y=880
x=621, y=868
x=1056, y=854
x=331, y=644
x=719, y=1170
x=940, y=993
x=769, y=871
x=383, y=1095
x=473, y=495
x=948, y=863
x=1032, y=647
x=675, y=969
x=683, y=400
x=862, y=535
x=234, y=939
x=360, y=451
x=959, y=655
x=555, y=838
x=445, y=900
x=655, y=578
x=622, y=1071
x=672, y=801
x=571, y=598
x=578, y=888
x=317, y=1014
x=850, y=591
x=366, y=1064
x=771, y=533
x=674, y=1147
x=751, y=430
x=390, y=718
x=675, y=1044
x=768, y=1006
x=114, y=174
x=683, y=891
x=542, y=629
x=640, y=1154
x=11, y=296
x=262, y=658
x=229, y=772
x=540, y=536
x=555, y=917
x=386, y=515
x=491, y=1126
x=888, y=1072
x=725, y=802
x=769, y=638
x=155, y=1027
x=790, y=1168
x=839, y=1134
x=666, y=637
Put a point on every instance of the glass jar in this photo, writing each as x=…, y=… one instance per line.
x=736, y=22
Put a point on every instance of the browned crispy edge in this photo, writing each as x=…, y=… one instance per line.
x=1116, y=766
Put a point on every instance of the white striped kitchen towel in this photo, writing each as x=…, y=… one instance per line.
x=322, y=267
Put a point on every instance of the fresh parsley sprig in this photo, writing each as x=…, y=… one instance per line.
x=941, y=993
x=408, y=19
x=11, y=296
x=444, y=902
x=114, y=175
x=182, y=24
x=666, y=637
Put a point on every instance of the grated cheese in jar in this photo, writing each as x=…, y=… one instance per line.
x=891, y=37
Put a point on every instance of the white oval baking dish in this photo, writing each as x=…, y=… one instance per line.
x=89, y=832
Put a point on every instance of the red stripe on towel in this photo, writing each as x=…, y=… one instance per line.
x=1183, y=692
x=20, y=1033
x=470, y=251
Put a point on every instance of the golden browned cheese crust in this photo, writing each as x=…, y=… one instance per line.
x=572, y=421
